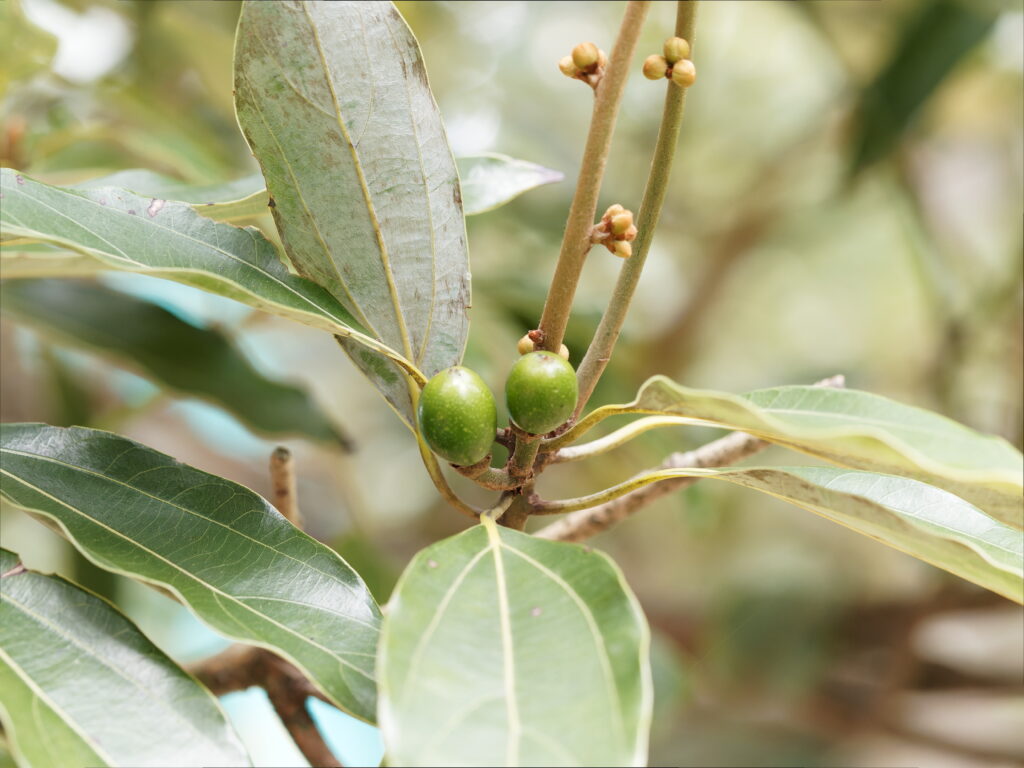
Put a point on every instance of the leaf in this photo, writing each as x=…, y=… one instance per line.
x=80, y=685
x=938, y=35
x=860, y=430
x=491, y=180
x=194, y=361
x=334, y=102
x=221, y=549
x=41, y=260
x=233, y=200
x=165, y=239
x=502, y=649
x=928, y=523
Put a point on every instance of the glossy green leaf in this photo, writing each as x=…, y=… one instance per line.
x=165, y=239
x=491, y=180
x=222, y=550
x=937, y=36
x=201, y=362
x=81, y=686
x=499, y=648
x=860, y=430
x=334, y=102
x=926, y=522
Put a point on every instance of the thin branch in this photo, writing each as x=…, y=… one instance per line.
x=589, y=522
x=726, y=450
x=576, y=240
x=283, y=487
x=440, y=483
x=600, y=350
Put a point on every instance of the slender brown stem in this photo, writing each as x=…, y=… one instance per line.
x=576, y=240
x=516, y=515
x=600, y=350
x=283, y=487
x=289, y=703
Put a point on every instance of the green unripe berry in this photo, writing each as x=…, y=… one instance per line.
x=541, y=392
x=458, y=416
x=676, y=49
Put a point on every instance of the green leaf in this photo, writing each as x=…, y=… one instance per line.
x=166, y=239
x=926, y=522
x=230, y=201
x=194, y=361
x=499, y=648
x=491, y=180
x=19, y=262
x=81, y=686
x=221, y=549
x=860, y=430
x=334, y=102
x=936, y=38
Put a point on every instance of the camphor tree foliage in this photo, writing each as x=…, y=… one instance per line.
x=497, y=647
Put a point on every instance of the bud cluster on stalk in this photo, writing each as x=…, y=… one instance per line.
x=587, y=63
x=674, y=65
x=616, y=231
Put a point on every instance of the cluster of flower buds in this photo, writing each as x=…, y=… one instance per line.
x=675, y=64
x=616, y=231
x=587, y=63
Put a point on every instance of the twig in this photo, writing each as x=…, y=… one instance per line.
x=727, y=450
x=600, y=350
x=589, y=522
x=282, y=483
x=613, y=440
x=576, y=240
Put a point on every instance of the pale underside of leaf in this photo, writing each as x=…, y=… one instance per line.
x=497, y=650
x=373, y=214
x=923, y=521
x=860, y=430
x=221, y=549
x=490, y=180
x=126, y=703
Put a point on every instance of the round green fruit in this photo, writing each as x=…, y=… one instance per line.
x=457, y=416
x=541, y=392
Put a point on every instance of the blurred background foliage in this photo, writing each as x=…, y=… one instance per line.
x=847, y=198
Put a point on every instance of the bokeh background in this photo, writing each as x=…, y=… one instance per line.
x=847, y=198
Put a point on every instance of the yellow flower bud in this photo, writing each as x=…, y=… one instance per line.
x=568, y=68
x=602, y=62
x=585, y=56
x=621, y=222
x=563, y=352
x=684, y=73
x=655, y=67
x=676, y=49
x=613, y=210
x=525, y=345
x=630, y=234
x=622, y=249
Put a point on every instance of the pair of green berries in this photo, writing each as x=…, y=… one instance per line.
x=458, y=416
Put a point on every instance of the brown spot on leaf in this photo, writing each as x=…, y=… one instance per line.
x=17, y=178
x=155, y=206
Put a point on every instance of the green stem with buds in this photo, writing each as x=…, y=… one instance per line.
x=576, y=241
x=600, y=351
